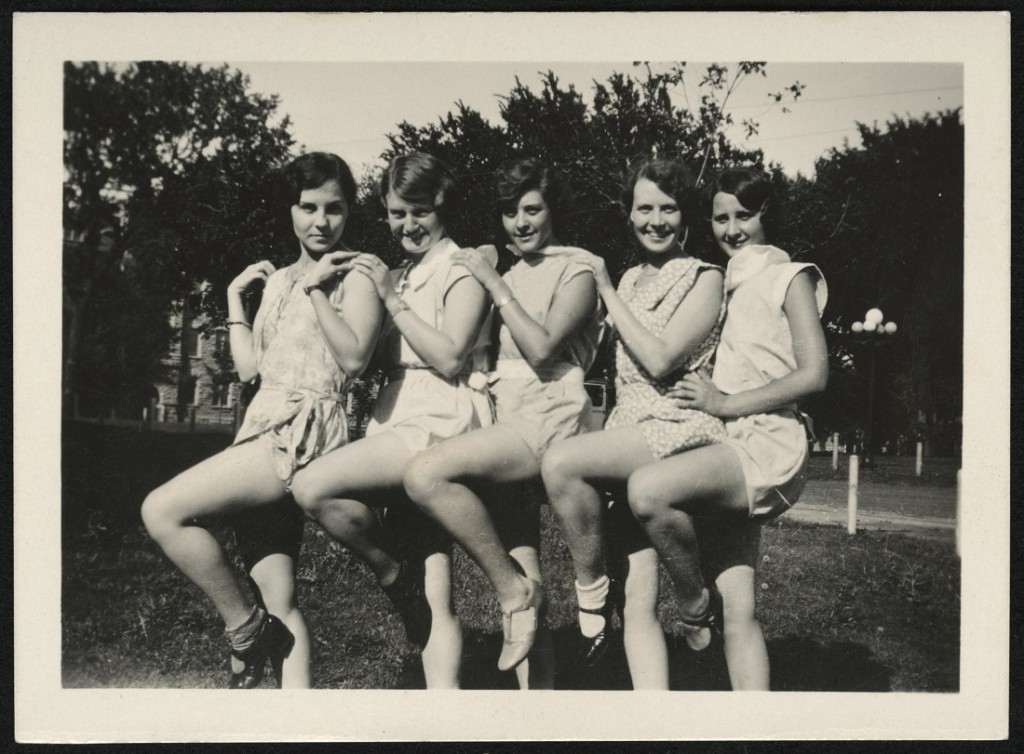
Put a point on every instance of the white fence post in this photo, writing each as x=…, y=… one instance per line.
x=920, y=458
x=851, y=496
x=835, y=451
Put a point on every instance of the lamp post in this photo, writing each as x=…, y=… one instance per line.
x=872, y=333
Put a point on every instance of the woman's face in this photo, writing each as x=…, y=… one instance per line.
x=734, y=225
x=417, y=227
x=657, y=221
x=528, y=224
x=319, y=216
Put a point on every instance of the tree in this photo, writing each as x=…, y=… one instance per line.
x=594, y=145
x=884, y=221
x=168, y=174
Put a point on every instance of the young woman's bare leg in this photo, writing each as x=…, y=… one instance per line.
x=664, y=497
x=332, y=490
x=238, y=478
x=643, y=637
x=442, y=656
x=438, y=481
x=274, y=577
x=573, y=471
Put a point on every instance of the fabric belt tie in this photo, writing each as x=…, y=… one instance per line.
x=307, y=409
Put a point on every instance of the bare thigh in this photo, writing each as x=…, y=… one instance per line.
x=362, y=470
x=702, y=481
x=494, y=454
x=237, y=478
x=612, y=454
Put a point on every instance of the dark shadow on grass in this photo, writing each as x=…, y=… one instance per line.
x=801, y=664
x=688, y=671
x=797, y=664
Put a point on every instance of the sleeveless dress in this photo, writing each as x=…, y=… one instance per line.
x=298, y=411
x=548, y=403
x=418, y=404
x=757, y=348
x=640, y=397
x=299, y=408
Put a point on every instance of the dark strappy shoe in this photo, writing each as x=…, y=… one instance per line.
x=713, y=618
x=590, y=650
x=409, y=598
x=273, y=642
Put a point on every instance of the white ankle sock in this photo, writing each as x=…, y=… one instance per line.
x=592, y=597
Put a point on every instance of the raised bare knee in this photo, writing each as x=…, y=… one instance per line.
x=646, y=498
x=422, y=478
x=556, y=469
x=308, y=495
x=157, y=515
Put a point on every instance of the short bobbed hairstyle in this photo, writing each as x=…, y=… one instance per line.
x=313, y=170
x=421, y=179
x=753, y=189
x=671, y=176
x=529, y=174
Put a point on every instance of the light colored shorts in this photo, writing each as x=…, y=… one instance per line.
x=773, y=451
x=424, y=408
x=541, y=412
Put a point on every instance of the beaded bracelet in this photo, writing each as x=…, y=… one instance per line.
x=237, y=322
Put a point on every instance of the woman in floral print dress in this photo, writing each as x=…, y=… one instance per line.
x=667, y=315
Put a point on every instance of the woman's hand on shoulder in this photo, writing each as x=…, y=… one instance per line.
x=258, y=272
x=328, y=267
x=378, y=273
x=596, y=265
x=478, y=264
x=697, y=391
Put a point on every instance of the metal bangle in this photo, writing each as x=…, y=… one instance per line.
x=237, y=322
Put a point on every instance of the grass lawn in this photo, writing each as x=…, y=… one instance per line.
x=872, y=612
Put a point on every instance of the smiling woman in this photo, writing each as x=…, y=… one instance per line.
x=550, y=321
x=430, y=352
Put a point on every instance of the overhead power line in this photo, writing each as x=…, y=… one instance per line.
x=803, y=101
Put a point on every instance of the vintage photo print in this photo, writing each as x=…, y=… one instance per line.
x=200, y=410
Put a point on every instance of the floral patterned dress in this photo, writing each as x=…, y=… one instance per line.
x=299, y=408
x=640, y=397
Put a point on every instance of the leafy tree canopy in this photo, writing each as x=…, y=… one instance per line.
x=166, y=174
x=884, y=221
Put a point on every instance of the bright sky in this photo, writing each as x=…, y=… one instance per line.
x=348, y=107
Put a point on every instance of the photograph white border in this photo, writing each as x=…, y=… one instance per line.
x=44, y=711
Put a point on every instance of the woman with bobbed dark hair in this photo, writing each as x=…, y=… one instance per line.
x=550, y=322
x=431, y=350
x=667, y=314
x=312, y=334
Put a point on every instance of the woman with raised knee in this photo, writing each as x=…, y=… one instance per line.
x=772, y=354
x=430, y=351
x=550, y=322
x=312, y=333
x=667, y=313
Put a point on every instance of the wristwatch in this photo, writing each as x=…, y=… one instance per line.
x=308, y=288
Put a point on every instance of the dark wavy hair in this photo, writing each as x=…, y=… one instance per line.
x=312, y=170
x=420, y=178
x=529, y=174
x=752, y=187
x=671, y=176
